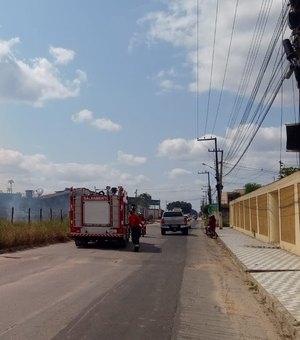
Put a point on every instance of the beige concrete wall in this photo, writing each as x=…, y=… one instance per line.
x=247, y=221
x=287, y=214
x=271, y=213
x=274, y=226
x=253, y=215
x=262, y=210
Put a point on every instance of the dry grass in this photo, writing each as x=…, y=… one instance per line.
x=21, y=234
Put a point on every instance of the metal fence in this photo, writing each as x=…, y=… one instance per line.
x=34, y=215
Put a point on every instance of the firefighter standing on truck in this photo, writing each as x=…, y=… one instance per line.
x=135, y=223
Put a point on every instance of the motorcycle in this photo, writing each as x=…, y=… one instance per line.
x=211, y=232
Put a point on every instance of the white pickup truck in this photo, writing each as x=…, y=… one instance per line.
x=174, y=221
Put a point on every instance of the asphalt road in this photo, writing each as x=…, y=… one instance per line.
x=177, y=287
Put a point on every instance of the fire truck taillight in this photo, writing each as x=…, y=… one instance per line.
x=75, y=230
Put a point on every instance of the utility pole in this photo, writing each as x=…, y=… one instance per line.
x=219, y=185
x=221, y=174
x=209, y=187
x=136, y=200
x=218, y=179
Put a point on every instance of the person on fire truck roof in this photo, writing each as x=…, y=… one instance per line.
x=135, y=223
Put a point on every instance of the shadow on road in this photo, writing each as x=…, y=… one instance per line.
x=144, y=247
x=190, y=234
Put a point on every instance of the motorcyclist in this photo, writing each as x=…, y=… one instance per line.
x=211, y=229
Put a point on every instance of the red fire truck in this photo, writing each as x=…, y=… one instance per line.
x=100, y=215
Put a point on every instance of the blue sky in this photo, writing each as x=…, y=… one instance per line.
x=96, y=93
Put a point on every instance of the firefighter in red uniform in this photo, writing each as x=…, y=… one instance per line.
x=135, y=223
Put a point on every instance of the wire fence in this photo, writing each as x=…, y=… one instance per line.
x=34, y=215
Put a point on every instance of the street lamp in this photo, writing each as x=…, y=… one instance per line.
x=209, y=166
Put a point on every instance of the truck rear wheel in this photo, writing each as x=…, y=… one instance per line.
x=123, y=243
x=80, y=243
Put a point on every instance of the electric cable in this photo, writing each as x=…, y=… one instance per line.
x=226, y=65
x=279, y=84
x=261, y=22
x=241, y=132
x=249, y=65
x=244, y=131
x=212, y=67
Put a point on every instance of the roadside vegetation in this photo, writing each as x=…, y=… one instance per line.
x=23, y=235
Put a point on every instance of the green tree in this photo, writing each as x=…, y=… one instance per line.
x=204, y=209
x=286, y=171
x=144, y=200
x=233, y=195
x=184, y=206
x=249, y=187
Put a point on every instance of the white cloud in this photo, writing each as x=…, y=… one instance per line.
x=130, y=159
x=106, y=124
x=86, y=116
x=33, y=82
x=182, y=149
x=82, y=116
x=61, y=55
x=132, y=181
x=264, y=153
x=81, y=76
x=176, y=25
x=6, y=46
x=167, y=85
x=167, y=81
x=260, y=164
x=175, y=173
x=36, y=171
x=267, y=140
x=195, y=48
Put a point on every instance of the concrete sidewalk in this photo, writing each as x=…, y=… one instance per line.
x=274, y=269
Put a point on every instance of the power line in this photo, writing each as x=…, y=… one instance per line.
x=226, y=65
x=212, y=67
x=258, y=126
x=244, y=167
x=247, y=132
x=249, y=65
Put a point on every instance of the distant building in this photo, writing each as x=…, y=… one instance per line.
x=153, y=211
x=60, y=200
x=228, y=196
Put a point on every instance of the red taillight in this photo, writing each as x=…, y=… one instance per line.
x=75, y=230
x=162, y=221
